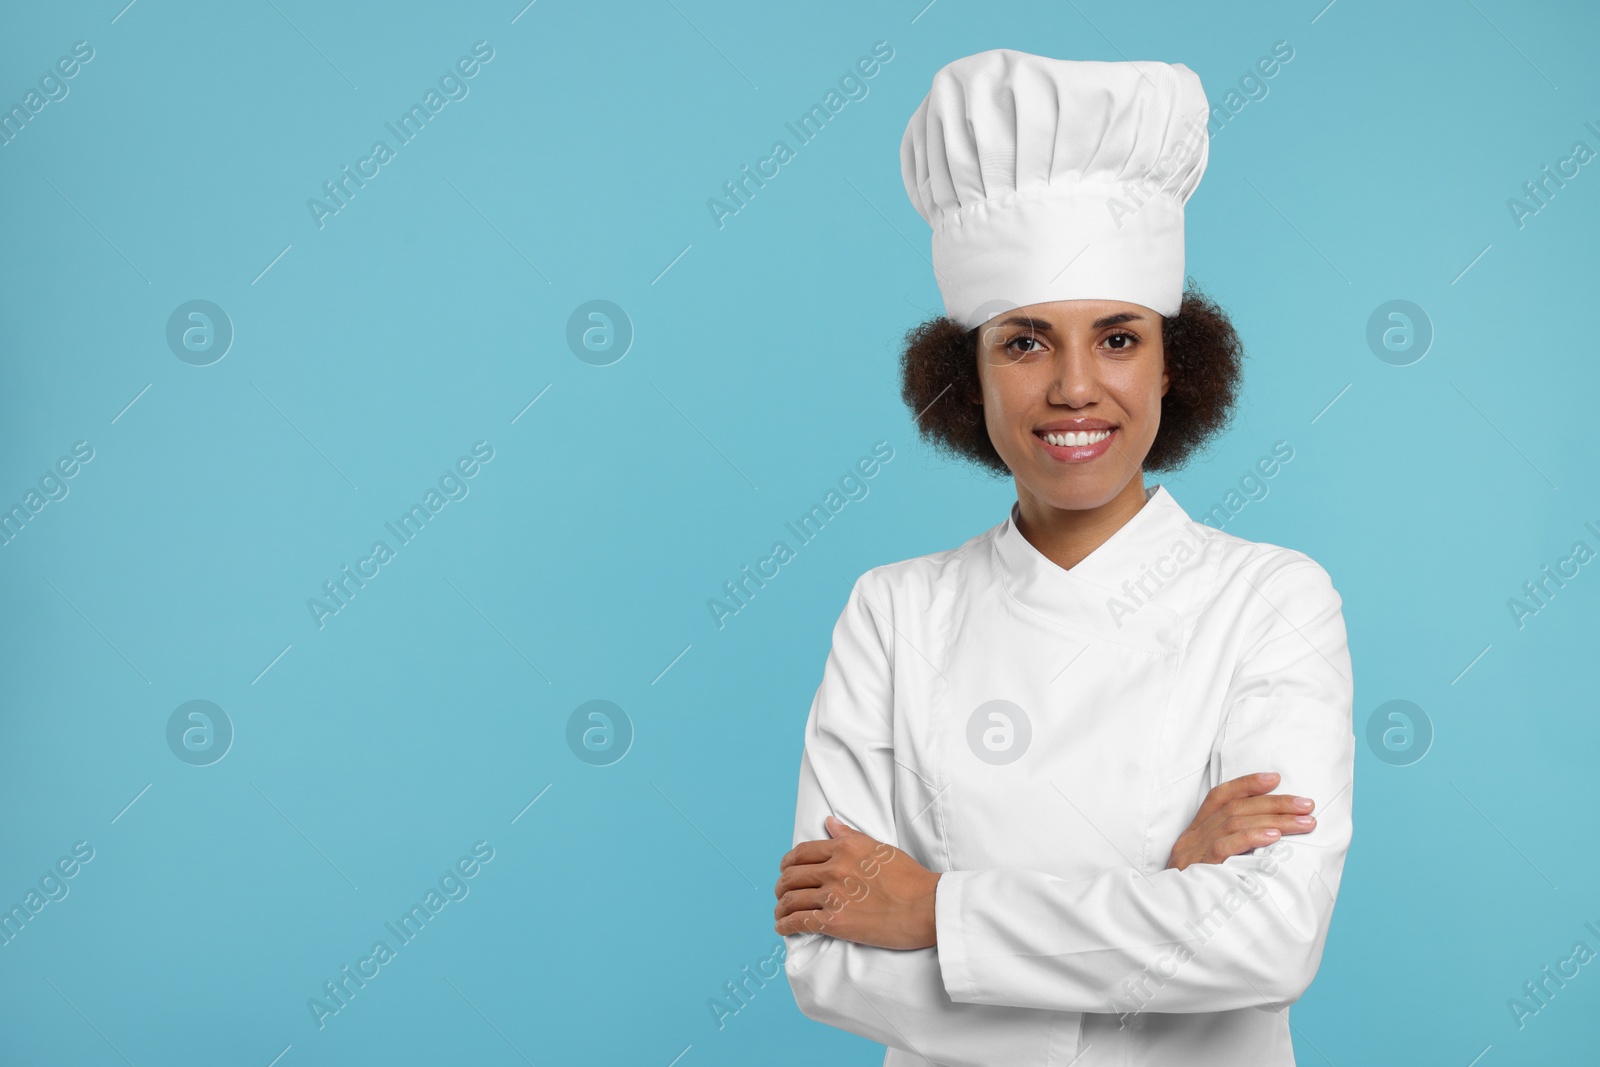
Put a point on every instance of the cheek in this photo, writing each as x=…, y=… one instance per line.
x=1140, y=392
x=1006, y=385
x=1002, y=401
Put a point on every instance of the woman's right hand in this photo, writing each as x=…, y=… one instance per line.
x=1236, y=818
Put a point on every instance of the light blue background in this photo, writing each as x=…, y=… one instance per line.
x=430, y=311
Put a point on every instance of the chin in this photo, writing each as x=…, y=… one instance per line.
x=1082, y=501
x=1079, y=492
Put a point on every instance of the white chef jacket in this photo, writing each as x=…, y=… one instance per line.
x=1172, y=658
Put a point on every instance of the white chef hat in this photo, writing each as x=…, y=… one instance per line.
x=1055, y=179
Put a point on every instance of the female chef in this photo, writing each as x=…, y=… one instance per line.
x=1030, y=827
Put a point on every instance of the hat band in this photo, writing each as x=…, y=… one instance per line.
x=1079, y=242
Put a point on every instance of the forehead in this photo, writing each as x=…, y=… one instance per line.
x=1071, y=314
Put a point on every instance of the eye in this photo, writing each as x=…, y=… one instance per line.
x=1029, y=338
x=1130, y=341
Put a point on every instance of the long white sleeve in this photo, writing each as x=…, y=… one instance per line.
x=895, y=997
x=1212, y=937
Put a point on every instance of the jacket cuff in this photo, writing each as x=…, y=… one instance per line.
x=954, y=969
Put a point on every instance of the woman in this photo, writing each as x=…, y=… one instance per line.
x=1030, y=827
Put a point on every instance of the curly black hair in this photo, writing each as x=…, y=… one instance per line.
x=1204, y=360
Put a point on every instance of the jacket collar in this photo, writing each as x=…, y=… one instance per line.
x=1125, y=590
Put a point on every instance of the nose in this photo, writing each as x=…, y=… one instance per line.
x=1074, y=375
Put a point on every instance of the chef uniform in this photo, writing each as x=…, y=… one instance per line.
x=1041, y=736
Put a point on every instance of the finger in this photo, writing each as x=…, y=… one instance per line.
x=803, y=922
x=800, y=876
x=807, y=852
x=1288, y=824
x=1240, y=843
x=803, y=900
x=1274, y=803
x=1236, y=788
x=824, y=918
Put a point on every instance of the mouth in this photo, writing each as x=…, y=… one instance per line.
x=1075, y=446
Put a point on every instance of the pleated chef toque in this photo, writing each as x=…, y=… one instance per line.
x=1055, y=179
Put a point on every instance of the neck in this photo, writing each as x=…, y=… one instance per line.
x=1066, y=536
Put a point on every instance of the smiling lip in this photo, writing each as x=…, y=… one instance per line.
x=1076, y=453
x=1075, y=424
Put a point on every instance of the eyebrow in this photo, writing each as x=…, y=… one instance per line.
x=1042, y=326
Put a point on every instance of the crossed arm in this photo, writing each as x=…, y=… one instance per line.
x=853, y=887
x=977, y=966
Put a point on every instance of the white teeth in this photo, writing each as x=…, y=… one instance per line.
x=1074, y=440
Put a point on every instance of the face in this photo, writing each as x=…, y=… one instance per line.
x=1071, y=394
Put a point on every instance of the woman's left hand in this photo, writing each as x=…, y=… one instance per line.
x=855, y=888
x=1235, y=819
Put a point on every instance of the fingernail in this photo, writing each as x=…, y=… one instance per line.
x=1272, y=833
x=1267, y=776
x=1303, y=802
x=1304, y=820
